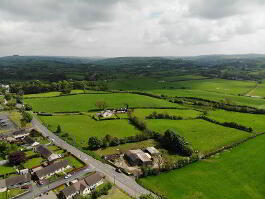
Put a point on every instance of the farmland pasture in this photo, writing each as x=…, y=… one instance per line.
x=238, y=173
x=234, y=99
x=55, y=94
x=214, y=85
x=256, y=121
x=202, y=135
x=185, y=113
x=87, y=102
x=259, y=91
x=81, y=127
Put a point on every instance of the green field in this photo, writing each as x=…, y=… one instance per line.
x=87, y=102
x=186, y=113
x=115, y=193
x=256, y=121
x=82, y=127
x=259, y=91
x=202, y=135
x=238, y=173
x=54, y=94
x=215, y=85
x=233, y=99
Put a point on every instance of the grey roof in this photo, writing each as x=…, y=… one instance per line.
x=29, y=140
x=21, y=179
x=2, y=183
x=80, y=185
x=152, y=150
x=69, y=191
x=93, y=179
x=51, y=168
x=20, y=132
x=43, y=151
x=138, y=154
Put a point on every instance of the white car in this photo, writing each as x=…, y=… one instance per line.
x=67, y=176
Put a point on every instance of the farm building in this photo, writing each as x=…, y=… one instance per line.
x=82, y=187
x=51, y=170
x=46, y=153
x=138, y=157
x=152, y=151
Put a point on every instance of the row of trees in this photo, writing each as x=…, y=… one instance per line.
x=156, y=115
x=227, y=124
x=63, y=86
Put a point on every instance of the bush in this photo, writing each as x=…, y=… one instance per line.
x=17, y=158
x=26, y=117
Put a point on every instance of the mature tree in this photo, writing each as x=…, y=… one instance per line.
x=26, y=117
x=35, y=133
x=8, y=96
x=28, y=107
x=59, y=129
x=17, y=158
x=175, y=143
x=94, y=143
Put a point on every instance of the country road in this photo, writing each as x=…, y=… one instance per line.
x=126, y=183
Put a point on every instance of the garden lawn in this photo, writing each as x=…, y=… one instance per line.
x=238, y=173
x=33, y=162
x=5, y=169
x=3, y=195
x=186, y=113
x=15, y=192
x=115, y=193
x=74, y=162
x=81, y=127
x=255, y=121
x=85, y=102
x=202, y=135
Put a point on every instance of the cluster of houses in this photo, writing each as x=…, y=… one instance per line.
x=140, y=157
x=109, y=113
x=83, y=186
x=38, y=174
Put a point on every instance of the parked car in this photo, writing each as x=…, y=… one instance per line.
x=118, y=170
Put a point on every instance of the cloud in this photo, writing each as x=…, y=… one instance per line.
x=129, y=27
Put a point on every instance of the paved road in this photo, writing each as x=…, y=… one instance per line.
x=37, y=190
x=124, y=182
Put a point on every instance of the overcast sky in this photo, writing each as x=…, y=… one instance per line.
x=131, y=27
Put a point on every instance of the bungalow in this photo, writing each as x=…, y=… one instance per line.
x=138, y=157
x=51, y=170
x=46, y=153
x=20, y=134
x=82, y=187
x=15, y=181
x=30, y=142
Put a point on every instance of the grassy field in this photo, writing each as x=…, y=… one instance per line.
x=54, y=94
x=259, y=91
x=87, y=102
x=202, y=135
x=3, y=195
x=125, y=147
x=82, y=127
x=187, y=113
x=216, y=85
x=4, y=169
x=257, y=122
x=238, y=173
x=234, y=99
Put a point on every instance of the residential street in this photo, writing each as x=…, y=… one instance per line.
x=37, y=190
x=124, y=182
